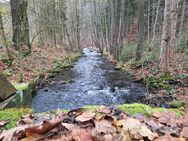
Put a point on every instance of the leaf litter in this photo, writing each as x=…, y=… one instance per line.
x=102, y=124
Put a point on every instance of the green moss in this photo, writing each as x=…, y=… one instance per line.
x=21, y=86
x=160, y=82
x=13, y=115
x=177, y=104
x=138, y=108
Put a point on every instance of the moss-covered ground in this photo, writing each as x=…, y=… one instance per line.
x=13, y=115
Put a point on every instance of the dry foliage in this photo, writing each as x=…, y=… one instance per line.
x=103, y=124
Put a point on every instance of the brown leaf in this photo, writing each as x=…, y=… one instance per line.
x=104, y=110
x=4, y=122
x=69, y=127
x=163, y=120
x=185, y=132
x=28, y=119
x=157, y=114
x=12, y=134
x=43, y=128
x=81, y=135
x=103, y=128
x=86, y=116
x=137, y=130
x=166, y=137
x=140, y=117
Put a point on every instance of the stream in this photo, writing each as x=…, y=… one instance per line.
x=92, y=81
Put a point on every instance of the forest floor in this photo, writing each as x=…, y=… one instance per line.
x=40, y=61
x=161, y=87
x=99, y=124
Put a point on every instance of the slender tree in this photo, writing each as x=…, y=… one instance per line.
x=3, y=38
x=140, y=34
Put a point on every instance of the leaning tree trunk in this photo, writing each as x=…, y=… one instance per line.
x=140, y=30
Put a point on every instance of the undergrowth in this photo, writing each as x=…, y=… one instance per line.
x=13, y=115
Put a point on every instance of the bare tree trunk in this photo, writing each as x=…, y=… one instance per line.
x=20, y=24
x=149, y=15
x=165, y=41
x=2, y=35
x=16, y=23
x=140, y=30
x=114, y=34
x=153, y=16
x=155, y=23
x=173, y=28
x=122, y=26
x=95, y=26
x=182, y=18
x=77, y=24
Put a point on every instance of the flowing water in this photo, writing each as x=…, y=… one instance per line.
x=92, y=81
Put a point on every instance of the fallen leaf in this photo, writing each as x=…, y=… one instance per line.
x=163, y=120
x=166, y=137
x=140, y=117
x=86, y=116
x=42, y=128
x=145, y=132
x=4, y=122
x=12, y=134
x=185, y=132
x=104, y=110
x=81, y=135
x=157, y=114
x=137, y=130
x=103, y=128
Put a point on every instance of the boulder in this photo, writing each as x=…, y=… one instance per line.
x=6, y=88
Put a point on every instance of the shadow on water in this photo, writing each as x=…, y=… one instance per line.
x=92, y=81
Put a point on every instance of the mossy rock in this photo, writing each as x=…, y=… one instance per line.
x=13, y=115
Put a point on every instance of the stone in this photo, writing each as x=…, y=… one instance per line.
x=6, y=88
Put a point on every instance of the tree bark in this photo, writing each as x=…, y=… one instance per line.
x=20, y=24
x=165, y=40
x=114, y=34
x=182, y=18
x=155, y=23
x=77, y=24
x=122, y=26
x=140, y=33
x=2, y=34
